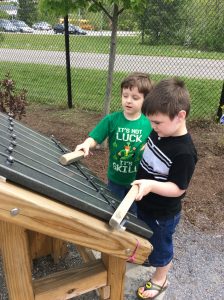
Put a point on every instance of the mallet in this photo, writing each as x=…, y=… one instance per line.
x=69, y=158
x=122, y=209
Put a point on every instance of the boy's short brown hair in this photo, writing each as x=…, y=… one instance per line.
x=168, y=97
x=139, y=80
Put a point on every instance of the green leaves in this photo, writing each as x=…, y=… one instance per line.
x=62, y=7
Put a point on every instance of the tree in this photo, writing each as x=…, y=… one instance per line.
x=28, y=11
x=118, y=6
x=206, y=33
x=62, y=7
x=161, y=21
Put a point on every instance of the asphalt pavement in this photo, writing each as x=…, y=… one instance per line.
x=172, y=66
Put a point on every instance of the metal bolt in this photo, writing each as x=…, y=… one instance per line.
x=10, y=159
x=10, y=149
x=128, y=251
x=13, y=143
x=15, y=211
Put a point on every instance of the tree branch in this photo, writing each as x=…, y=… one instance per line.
x=121, y=10
x=103, y=8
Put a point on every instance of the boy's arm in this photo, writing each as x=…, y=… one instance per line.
x=88, y=144
x=167, y=189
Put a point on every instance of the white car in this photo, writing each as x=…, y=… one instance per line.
x=42, y=26
x=22, y=26
x=7, y=26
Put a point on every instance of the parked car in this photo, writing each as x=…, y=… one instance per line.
x=79, y=30
x=42, y=26
x=22, y=26
x=60, y=28
x=7, y=26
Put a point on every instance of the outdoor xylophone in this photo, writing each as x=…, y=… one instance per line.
x=45, y=204
x=30, y=159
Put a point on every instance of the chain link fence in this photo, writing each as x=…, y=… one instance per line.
x=171, y=38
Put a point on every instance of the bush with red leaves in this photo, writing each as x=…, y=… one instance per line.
x=12, y=102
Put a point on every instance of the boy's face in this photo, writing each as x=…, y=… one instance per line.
x=132, y=102
x=166, y=127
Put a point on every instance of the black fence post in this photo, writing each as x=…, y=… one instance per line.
x=68, y=67
x=220, y=111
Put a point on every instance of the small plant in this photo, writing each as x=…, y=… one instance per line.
x=10, y=101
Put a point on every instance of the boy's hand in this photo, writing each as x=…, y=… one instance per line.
x=144, y=187
x=84, y=147
x=166, y=189
x=88, y=144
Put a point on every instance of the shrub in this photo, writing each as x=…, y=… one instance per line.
x=11, y=102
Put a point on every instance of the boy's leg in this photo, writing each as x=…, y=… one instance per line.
x=159, y=278
x=116, y=189
x=120, y=191
x=162, y=255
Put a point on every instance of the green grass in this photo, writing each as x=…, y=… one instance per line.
x=100, y=44
x=47, y=85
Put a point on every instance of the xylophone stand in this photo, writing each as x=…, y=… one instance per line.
x=22, y=211
x=18, y=272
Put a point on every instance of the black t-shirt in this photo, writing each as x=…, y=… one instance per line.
x=170, y=159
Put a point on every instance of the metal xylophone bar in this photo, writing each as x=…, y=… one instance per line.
x=30, y=159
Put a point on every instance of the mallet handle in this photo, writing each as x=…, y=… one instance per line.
x=123, y=208
x=68, y=158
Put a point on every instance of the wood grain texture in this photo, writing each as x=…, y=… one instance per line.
x=16, y=261
x=69, y=158
x=121, y=211
x=70, y=283
x=116, y=269
x=41, y=214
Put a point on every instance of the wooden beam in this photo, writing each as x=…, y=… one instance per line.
x=44, y=215
x=87, y=256
x=116, y=269
x=71, y=283
x=59, y=249
x=16, y=261
x=43, y=245
x=40, y=244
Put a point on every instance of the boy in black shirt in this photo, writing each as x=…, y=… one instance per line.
x=164, y=174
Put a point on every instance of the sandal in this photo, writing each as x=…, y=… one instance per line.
x=150, y=286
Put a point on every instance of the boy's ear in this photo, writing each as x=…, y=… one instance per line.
x=182, y=115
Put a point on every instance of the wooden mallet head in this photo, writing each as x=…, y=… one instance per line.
x=69, y=158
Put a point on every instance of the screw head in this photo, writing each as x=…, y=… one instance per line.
x=15, y=211
x=10, y=159
x=128, y=251
x=10, y=149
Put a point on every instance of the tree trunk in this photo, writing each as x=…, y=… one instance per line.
x=113, y=45
x=112, y=55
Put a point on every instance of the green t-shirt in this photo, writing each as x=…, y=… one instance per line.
x=126, y=141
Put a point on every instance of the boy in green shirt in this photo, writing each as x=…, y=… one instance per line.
x=127, y=132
